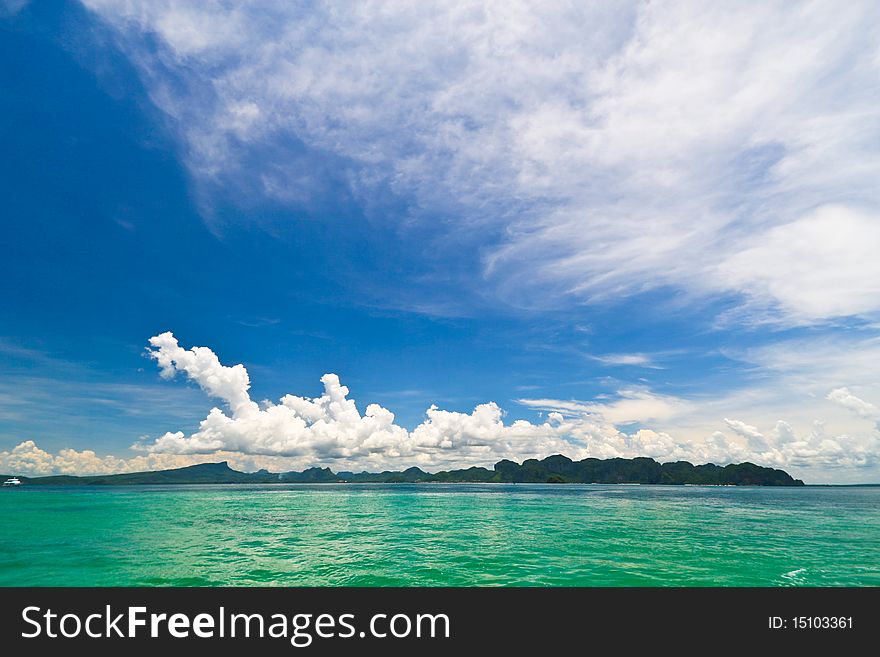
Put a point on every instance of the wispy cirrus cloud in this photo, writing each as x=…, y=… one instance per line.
x=588, y=151
x=630, y=405
x=635, y=360
x=12, y=7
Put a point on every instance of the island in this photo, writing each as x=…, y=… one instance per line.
x=555, y=469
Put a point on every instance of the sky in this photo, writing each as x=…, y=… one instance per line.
x=385, y=234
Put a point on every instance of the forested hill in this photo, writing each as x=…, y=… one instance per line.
x=553, y=469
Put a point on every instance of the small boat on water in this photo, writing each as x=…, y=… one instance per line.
x=12, y=481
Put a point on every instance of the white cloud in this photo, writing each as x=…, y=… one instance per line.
x=231, y=384
x=751, y=434
x=848, y=400
x=714, y=148
x=821, y=264
x=796, y=375
x=860, y=407
x=638, y=360
x=633, y=405
x=329, y=430
x=27, y=458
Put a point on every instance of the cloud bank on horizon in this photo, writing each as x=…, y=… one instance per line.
x=728, y=148
x=330, y=430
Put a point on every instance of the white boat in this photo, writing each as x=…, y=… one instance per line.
x=12, y=481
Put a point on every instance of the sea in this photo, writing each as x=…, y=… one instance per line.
x=439, y=535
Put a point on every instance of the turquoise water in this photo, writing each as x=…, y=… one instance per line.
x=429, y=534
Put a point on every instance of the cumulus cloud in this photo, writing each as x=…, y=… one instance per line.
x=714, y=148
x=231, y=384
x=27, y=458
x=848, y=400
x=754, y=437
x=860, y=407
x=329, y=430
x=782, y=447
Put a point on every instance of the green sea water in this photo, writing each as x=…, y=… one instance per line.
x=431, y=535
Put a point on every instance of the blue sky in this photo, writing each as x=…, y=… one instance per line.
x=639, y=231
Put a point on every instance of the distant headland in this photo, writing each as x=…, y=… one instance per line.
x=555, y=469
